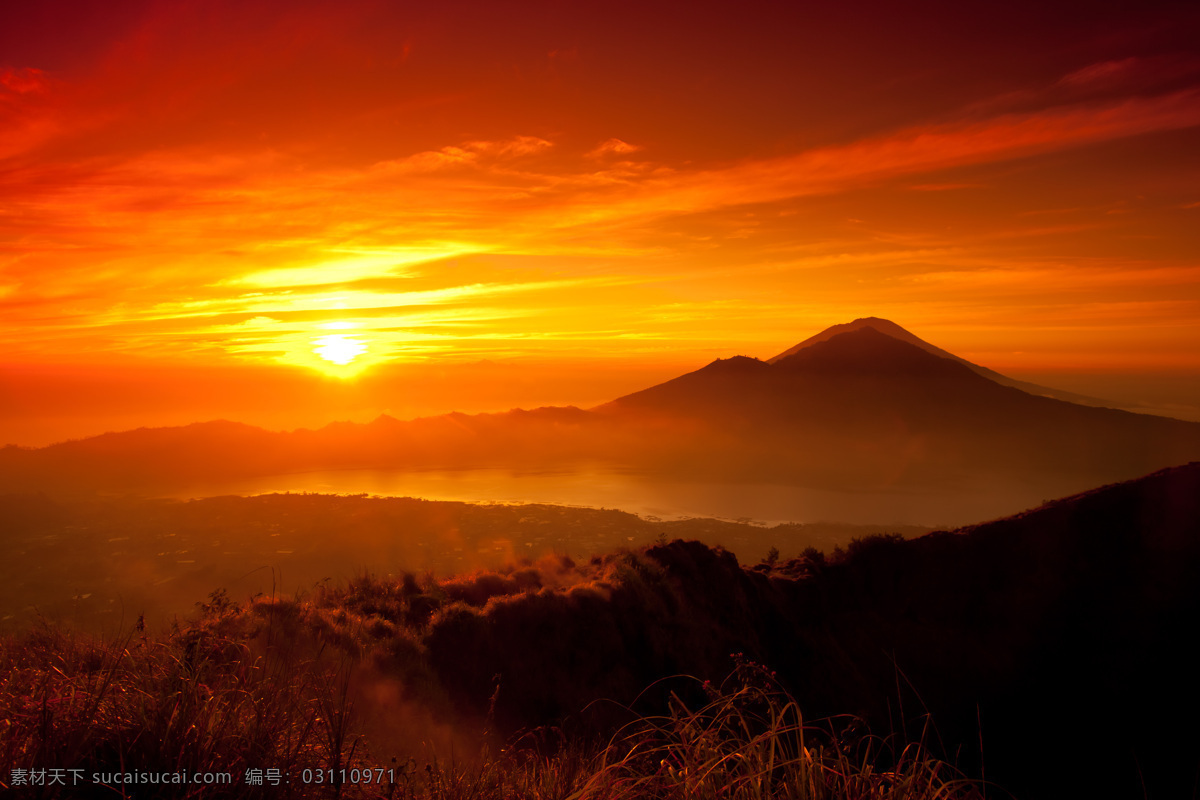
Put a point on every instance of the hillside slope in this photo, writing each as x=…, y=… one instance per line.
x=1058, y=640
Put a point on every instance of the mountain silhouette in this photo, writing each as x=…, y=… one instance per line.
x=896, y=332
x=859, y=367
x=861, y=407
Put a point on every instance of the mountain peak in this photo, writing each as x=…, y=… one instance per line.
x=884, y=326
x=889, y=328
x=866, y=350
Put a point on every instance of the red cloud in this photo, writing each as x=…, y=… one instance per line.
x=23, y=80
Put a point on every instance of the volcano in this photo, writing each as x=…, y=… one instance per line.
x=896, y=332
x=868, y=402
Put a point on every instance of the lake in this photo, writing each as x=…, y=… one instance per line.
x=649, y=496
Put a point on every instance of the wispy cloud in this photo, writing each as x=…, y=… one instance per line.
x=216, y=172
x=24, y=80
x=1101, y=73
x=945, y=187
x=469, y=154
x=922, y=149
x=343, y=271
x=612, y=147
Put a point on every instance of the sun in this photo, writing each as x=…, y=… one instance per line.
x=339, y=348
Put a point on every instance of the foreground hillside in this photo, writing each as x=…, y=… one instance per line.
x=1048, y=653
x=190, y=717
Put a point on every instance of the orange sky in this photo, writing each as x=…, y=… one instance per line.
x=205, y=205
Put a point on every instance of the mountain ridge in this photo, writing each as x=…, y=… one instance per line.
x=852, y=409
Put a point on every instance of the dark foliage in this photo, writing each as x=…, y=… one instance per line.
x=1057, y=637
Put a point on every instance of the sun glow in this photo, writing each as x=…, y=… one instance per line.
x=339, y=348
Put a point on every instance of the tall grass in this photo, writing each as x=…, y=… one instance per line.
x=269, y=685
x=750, y=741
x=195, y=701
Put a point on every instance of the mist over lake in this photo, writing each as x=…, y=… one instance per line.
x=649, y=495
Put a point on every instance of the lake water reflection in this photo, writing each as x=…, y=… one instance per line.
x=647, y=495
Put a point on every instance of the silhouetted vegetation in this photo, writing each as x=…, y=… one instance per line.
x=101, y=562
x=279, y=699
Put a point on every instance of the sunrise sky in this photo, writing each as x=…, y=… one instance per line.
x=288, y=212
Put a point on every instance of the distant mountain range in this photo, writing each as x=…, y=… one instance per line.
x=862, y=407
